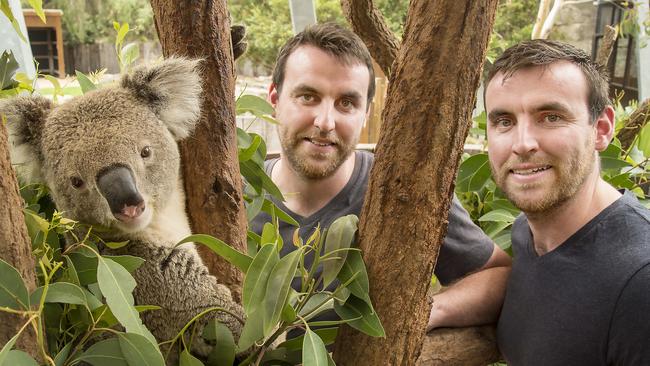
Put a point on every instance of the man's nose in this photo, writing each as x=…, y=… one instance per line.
x=525, y=138
x=324, y=119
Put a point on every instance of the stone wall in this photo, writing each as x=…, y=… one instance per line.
x=576, y=24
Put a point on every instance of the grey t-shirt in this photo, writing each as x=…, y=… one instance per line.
x=465, y=249
x=588, y=301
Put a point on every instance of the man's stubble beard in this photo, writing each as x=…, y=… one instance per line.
x=571, y=176
x=301, y=164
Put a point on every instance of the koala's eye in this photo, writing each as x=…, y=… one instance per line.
x=76, y=182
x=145, y=152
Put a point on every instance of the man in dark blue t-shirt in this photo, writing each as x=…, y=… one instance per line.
x=579, y=289
x=322, y=85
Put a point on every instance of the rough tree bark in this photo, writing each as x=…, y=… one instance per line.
x=201, y=28
x=431, y=95
x=634, y=124
x=15, y=248
x=367, y=22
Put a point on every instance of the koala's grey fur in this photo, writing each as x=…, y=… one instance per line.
x=153, y=106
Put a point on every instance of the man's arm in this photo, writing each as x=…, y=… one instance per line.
x=475, y=299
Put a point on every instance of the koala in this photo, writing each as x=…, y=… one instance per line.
x=110, y=159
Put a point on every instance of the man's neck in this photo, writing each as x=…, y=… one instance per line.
x=306, y=196
x=551, y=229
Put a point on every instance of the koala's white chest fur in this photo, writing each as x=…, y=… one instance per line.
x=170, y=224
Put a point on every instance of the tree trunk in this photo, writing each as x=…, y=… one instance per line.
x=473, y=346
x=425, y=122
x=367, y=22
x=15, y=248
x=201, y=29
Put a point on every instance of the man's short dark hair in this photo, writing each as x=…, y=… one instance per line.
x=542, y=52
x=332, y=38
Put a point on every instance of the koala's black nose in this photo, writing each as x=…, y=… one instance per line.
x=117, y=185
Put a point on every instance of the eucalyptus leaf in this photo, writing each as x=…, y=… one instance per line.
x=66, y=293
x=19, y=358
x=129, y=262
x=313, y=350
x=187, y=359
x=368, y=323
x=254, y=207
x=104, y=353
x=6, y=9
x=247, y=153
x=86, y=267
x=354, y=266
x=255, y=175
x=4, y=352
x=85, y=83
x=340, y=235
x=37, y=5
x=274, y=210
x=8, y=67
x=473, y=173
x=138, y=350
x=253, y=329
x=328, y=335
x=499, y=215
x=129, y=54
x=225, y=251
x=277, y=289
x=63, y=354
x=223, y=353
x=116, y=245
x=254, y=104
x=257, y=276
x=13, y=293
x=117, y=285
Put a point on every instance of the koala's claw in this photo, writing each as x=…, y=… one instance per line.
x=239, y=44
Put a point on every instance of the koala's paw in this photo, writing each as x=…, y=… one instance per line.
x=239, y=44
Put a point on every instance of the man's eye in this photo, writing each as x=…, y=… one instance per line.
x=347, y=104
x=306, y=98
x=552, y=118
x=503, y=122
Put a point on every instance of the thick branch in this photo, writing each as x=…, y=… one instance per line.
x=634, y=124
x=606, y=45
x=368, y=22
x=15, y=248
x=426, y=119
x=209, y=157
x=475, y=346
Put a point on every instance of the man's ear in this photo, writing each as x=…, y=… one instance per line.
x=604, y=126
x=25, y=118
x=273, y=96
x=172, y=89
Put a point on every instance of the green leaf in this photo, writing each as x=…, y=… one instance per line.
x=473, y=173
x=4, y=352
x=257, y=276
x=116, y=245
x=256, y=176
x=613, y=164
x=313, y=350
x=354, y=308
x=223, y=353
x=121, y=33
x=327, y=335
x=187, y=359
x=138, y=350
x=499, y=215
x=354, y=266
x=270, y=208
x=254, y=104
x=340, y=235
x=129, y=262
x=34, y=220
x=19, y=358
x=37, y=5
x=86, y=267
x=318, y=301
x=225, y=251
x=66, y=293
x=269, y=234
x=8, y=67
x=62, y=355
x=13, y=293
x=277, y=289
x=254, y=207
x=247, y=153
x=104, y=353
x=129, y=54
x=492, y=229
x=117, y=285
x=84, y=82
x=105, y=317
x=253, y=329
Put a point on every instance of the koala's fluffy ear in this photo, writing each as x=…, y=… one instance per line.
x=172, y=89
x=25, y=118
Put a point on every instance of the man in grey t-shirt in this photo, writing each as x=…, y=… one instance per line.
x=578, y=292
x=322, y=85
